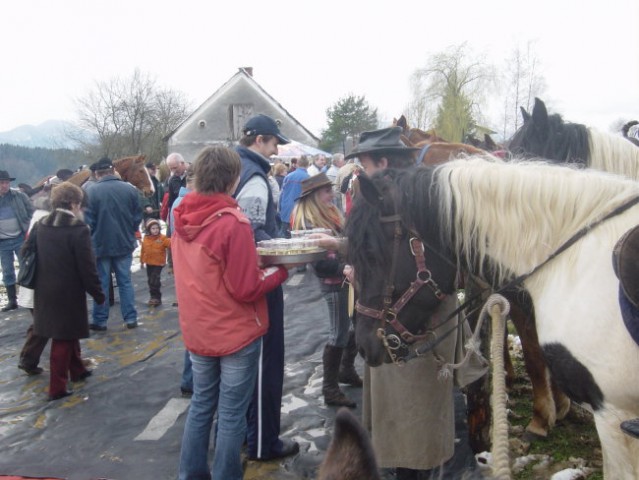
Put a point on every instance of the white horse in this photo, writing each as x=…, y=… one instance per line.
x=513, y=217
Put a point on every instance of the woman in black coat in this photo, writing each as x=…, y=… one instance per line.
x=66, y=272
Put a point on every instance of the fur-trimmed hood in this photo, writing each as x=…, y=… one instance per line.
x=61, y=218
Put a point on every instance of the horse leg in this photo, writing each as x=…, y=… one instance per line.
x=620, y=452
x=562, y=402
x=508, y=363
x=544, y=413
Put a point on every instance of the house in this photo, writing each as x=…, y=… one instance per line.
x=220, y=119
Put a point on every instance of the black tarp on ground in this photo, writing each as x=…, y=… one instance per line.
x=126, y=421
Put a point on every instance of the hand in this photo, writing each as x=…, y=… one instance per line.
x=349, y=273
x=148, y=209
x=326, y=241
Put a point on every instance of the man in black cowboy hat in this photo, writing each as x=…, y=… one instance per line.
x=381, y=149
x=15, y=214
x=261, y=136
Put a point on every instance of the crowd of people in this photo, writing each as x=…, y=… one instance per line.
x=215, y=209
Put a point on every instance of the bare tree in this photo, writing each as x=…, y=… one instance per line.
x=131, y=116
x=452, y=84
x=522, y=82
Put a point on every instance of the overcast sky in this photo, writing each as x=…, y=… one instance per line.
x=308, y=54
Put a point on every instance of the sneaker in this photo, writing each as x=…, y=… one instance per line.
x=132, y=325
x=97, y=328
x=289, y=447
x=154, y=302
x=186, y=393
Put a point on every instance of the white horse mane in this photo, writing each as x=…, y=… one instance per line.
x=520, y=212
x=612, y=153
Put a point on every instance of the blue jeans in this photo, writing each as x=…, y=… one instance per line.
x=187, y=373
x=8, y=248
x=122, y=268
x=336, y=297
x=224, y=384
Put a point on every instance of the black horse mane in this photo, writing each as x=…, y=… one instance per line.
x=406, y=192
x=550, y=137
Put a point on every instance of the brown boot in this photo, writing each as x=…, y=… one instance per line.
x=330, y=388
x=347, y=372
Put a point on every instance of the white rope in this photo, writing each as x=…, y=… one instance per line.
x=498, y=307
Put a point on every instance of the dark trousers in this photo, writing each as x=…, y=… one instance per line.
x=153, y=274
x=64, y=361
x=263, y=432
x=32, y=349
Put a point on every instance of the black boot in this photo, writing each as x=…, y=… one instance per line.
x=330, y=388
x=13, y=299
x=347, y=372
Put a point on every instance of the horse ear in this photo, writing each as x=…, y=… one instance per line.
x=406, y=140
x=525, y=115
x=350, y=455
x=369, y=191
x=490, y=144
x=540, y=114
x=402, y=122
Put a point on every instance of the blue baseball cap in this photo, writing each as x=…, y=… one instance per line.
x=264, y=125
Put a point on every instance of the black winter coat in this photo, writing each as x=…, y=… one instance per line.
x=66, y=272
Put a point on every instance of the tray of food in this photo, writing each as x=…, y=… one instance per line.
x=282, y=251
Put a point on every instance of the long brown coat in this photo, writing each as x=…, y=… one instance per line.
x=66, y=272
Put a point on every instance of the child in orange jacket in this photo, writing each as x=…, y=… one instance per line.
x=153, y=254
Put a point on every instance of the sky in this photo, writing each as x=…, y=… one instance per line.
x=309, y=54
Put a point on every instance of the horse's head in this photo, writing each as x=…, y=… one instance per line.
x=384, y=249
x=549, y=137
x=133, y=170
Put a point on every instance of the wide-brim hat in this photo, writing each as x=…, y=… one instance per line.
x=379, y=141
x=311, y=184
x=4, y=175
x=264, y=125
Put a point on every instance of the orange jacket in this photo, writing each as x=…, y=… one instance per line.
x=154, y=248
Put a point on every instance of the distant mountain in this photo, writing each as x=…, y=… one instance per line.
x=50, y=134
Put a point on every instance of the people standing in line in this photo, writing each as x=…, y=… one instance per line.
x=224, y=319
x=153, y=203
x=34, y=344
x=155, y=246
x=315, y=209
x=291, y=189
x=113, y=214
x=261, y=136
x=186, y=384
x=16, y=211
x=66, y=272
x=319, y=162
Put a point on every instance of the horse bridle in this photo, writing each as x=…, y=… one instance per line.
x=389, y=312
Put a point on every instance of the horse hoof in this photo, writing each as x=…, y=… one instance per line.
x=532, y=437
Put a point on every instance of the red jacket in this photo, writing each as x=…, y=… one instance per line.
x=219, y=287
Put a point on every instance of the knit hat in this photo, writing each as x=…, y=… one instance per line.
x=150, y=222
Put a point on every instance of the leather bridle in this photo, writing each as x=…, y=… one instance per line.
x=389, y=312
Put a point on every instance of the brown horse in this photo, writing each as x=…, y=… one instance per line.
x=131, y=169
x=549, y=402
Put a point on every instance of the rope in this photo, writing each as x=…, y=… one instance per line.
x=498, y=307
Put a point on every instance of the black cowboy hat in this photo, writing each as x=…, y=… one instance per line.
x=4, y=175
x=104, y=163
x=378, y=141
x=264, y=125
x=310, y=184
